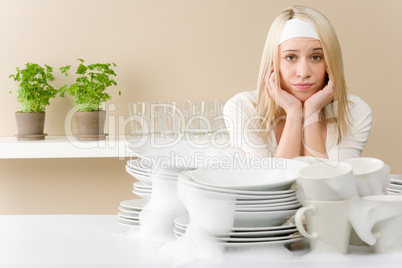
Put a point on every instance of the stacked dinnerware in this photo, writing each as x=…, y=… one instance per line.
x=146, y=173
x=395, y=185
x=129, y=212
x=264, y=202
x=245, y=236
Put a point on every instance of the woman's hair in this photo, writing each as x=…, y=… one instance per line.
x=335, y=112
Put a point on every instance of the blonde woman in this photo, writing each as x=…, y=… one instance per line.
x=301, y=106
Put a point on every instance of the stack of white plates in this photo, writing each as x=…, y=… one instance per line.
x=255, y=208
x=271, y=206
x=143, y=190
x=246, y=236
x=129, y=212
x=144, y=171
x=395, y=185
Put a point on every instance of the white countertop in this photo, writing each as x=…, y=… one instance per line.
x=99, y=241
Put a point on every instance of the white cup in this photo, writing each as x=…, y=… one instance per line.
x=327, y=224
x=329, y=181
x=389, y=235
x=372, y=175
x=384, y=213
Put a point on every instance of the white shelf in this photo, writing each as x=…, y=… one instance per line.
x=63, y=147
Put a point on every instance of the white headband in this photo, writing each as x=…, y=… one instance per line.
x=297, y=28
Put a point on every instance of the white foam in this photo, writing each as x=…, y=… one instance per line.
x=364, y=214
x=156, y=218
x=210, y=213
x=325, y=253
x=259, y=252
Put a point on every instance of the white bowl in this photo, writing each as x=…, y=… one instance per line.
x=280, y=176
x=262, y=218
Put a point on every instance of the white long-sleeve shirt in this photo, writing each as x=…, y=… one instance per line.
x=241, y=120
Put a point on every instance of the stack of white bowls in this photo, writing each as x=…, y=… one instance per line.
x=264, y=202
x=395, y=185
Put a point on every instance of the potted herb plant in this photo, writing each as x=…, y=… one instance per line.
x=34, y=93
x=88, y=93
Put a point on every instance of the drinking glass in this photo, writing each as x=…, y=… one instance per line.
x=198, y=124
x=172, y=118
x=156, y=120
x=139, y=118
x=217, y=119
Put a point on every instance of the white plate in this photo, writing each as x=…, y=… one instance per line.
x=135, y=204
x=257, y=197
x=145, y=196
x=168, y=171
x=143, y=178
x=129, y=215
x=262, y=209
x=184, y=220
x=140, y=190
x=239, y=194
x=266, y=201
x=249, y=234
x=141, y=185
x=128, y=221
x=151, y=175
x=396, y=178
x=132, y=221
x=393, y=191
x=249, y=244
x=130, y=210
x=396, y=187
x=128, y=224
x=267, y=205
x=248, y=239
x=262, y=218
x=240, y=178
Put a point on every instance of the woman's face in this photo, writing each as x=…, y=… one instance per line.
x=302, y=67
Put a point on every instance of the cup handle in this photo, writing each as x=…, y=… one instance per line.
x=299, y=222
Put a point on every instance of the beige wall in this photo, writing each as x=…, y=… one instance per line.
x=173, y=50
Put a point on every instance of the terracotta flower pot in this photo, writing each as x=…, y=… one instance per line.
x=30, y=126
x=90, y=125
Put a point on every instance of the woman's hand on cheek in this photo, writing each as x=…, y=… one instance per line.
x=285, y=100
x=319, y=100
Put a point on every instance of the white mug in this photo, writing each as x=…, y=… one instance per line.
x=384, y=214
x=371, y=174
x=328, y=181
x=327, y=224
x=389, y=235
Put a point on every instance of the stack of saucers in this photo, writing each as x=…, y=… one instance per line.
x=395, y=185
x=264, y=201
x=129, y=212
